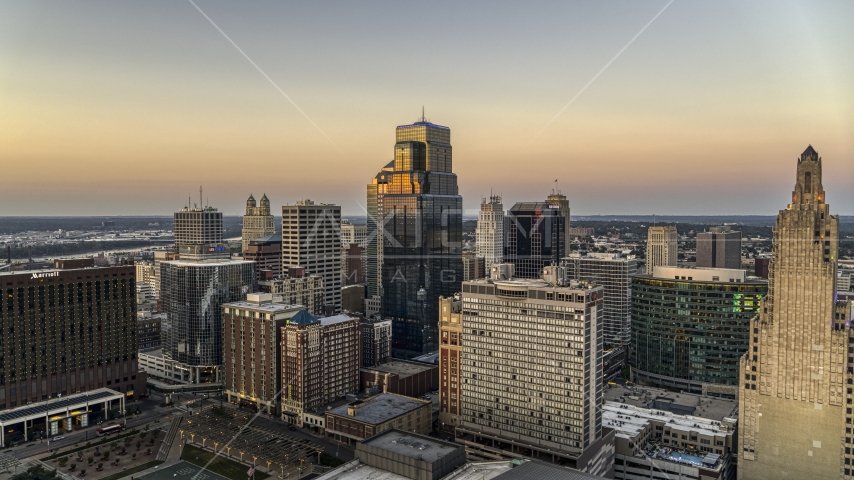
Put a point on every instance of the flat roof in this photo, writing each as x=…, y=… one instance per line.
x=712, y=408
x=205, y=263
x=535, y=470
x=401, y=368
x=381, y=408
x=356, y=470
x=575, y=285
x=411, y=445
x=629, y=420
x=69, y=401
x=335, y=319
x=263, y=307
x=480, y=470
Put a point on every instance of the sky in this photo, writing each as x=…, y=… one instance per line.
x=637, y=107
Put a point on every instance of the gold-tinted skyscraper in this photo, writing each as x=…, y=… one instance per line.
x=795, y=416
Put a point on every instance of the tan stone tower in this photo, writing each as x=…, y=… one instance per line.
x=258, y=222
x=794, y=408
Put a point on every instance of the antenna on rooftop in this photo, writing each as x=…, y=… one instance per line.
x=200, y=195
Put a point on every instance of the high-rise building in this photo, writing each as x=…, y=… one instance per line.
x=148, y=327
x=795, y=413
x=320, y=362
x=253, y=361
x=193, y=290
x=160, y=257
x=662, y=248
x=415, y=233
x=760, y=267
x=614, y=272
x=489, y=234
x=720, y=247
x=258, y=221
x=266, y=252
x=353, y=233
x=535, y=232
x=690, y=327
x=473, y=267
x=557, y=199
x=376, y=341
x=297, y=289
x=311, y=239
x=450, y=362
x=353, y=252
x=145, y=274
x=197, y=226
x=68, y=329
x=531, y=370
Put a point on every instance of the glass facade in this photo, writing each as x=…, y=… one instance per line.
x=192, y=296
x=414, y=243
x=535, y=232
x=694, y=331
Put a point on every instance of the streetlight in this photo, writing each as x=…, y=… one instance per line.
x=229, y=451
x=241, y=456
x=192, y=438
x=268, y=465
x=203, y=442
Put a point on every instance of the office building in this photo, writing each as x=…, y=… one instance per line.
x=401, y=377
x=690, y=327
x=376, y=341
x=193, y=290
x=662, y=248
x=252, y=367
x=298, y=289
x=258, y=221
x=531, y=370
x=148, y=330
x=795, y=413
x=579, y=232
x=535, y=232
x=664, y=435
x=760, y=266
x=614, y=272
x=363, y=419
x=353, y=233
x=473, y=267
x=266, y=252
x=489, y=234
x=559, y=201
x=719, y=247
x=353, y=298
x=197, y=226
x=450, y=362
x=843, y=281
x=160, y=257
x=145, y=274
x=311, y=239
x=415, y=211
x=68, y=329
x=320, y=362
x=352, y=264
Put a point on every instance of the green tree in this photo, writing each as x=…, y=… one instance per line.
x=36, y=472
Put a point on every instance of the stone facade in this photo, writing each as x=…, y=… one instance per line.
x=258, y=221
x=793, y=412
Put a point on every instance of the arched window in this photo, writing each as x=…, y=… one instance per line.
x=808, y=182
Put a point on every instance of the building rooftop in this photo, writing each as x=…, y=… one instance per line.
x=356, y=470
x=534, y=470
x=712, y=408
x=432, y=358
x=219, y=262
x=420, y=447
x=629, y=420
x=380, y=408
x=533, y=283
x=401, y=368
x=335, y=319
x=262, y=307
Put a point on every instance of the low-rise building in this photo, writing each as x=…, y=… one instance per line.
x=156, y=365
x=664, y=435
x=400, y=377
x=365, y=418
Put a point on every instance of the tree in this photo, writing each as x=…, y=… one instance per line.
x=36, y=472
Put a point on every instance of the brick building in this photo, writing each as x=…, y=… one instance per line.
x=365, y=418
x=450, y=354
x=401, y=377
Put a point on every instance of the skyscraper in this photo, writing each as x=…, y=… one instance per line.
x=197, y=226
x=415, y=227
x=311, y=239
x=795, y=413
x=489, y=235
x=614, y=272
x=258, y=221
x=450, y=362
x=534, y=237
x=557, y=199
x=662, y=249
x=720, y=247
x=192, y=291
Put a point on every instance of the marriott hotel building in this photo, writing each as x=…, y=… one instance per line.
x=66, y=330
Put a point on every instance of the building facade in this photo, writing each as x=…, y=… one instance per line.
x=720, y=247
x=266, y=252
x=473, y=267
x=662, y=247
x=535, y=232
x=531, y=370
x=450, y=362
x=558, y=200
x=311, y=239
x=365, y=418
x=253, y=360
x=320, y=362
x=489, y=234
x=193, y=290
x=795, y=414
x=415, y=211
x=68, y=329
x=690, y=327
x=258, y=221
x=376, y=341
x=614, y=272
x=197, y=226
x=307, y=291
x=148, y=330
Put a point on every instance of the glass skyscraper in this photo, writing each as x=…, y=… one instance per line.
x=535, y=232
x=415, y=235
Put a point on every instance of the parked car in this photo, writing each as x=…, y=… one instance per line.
x=58, y=437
